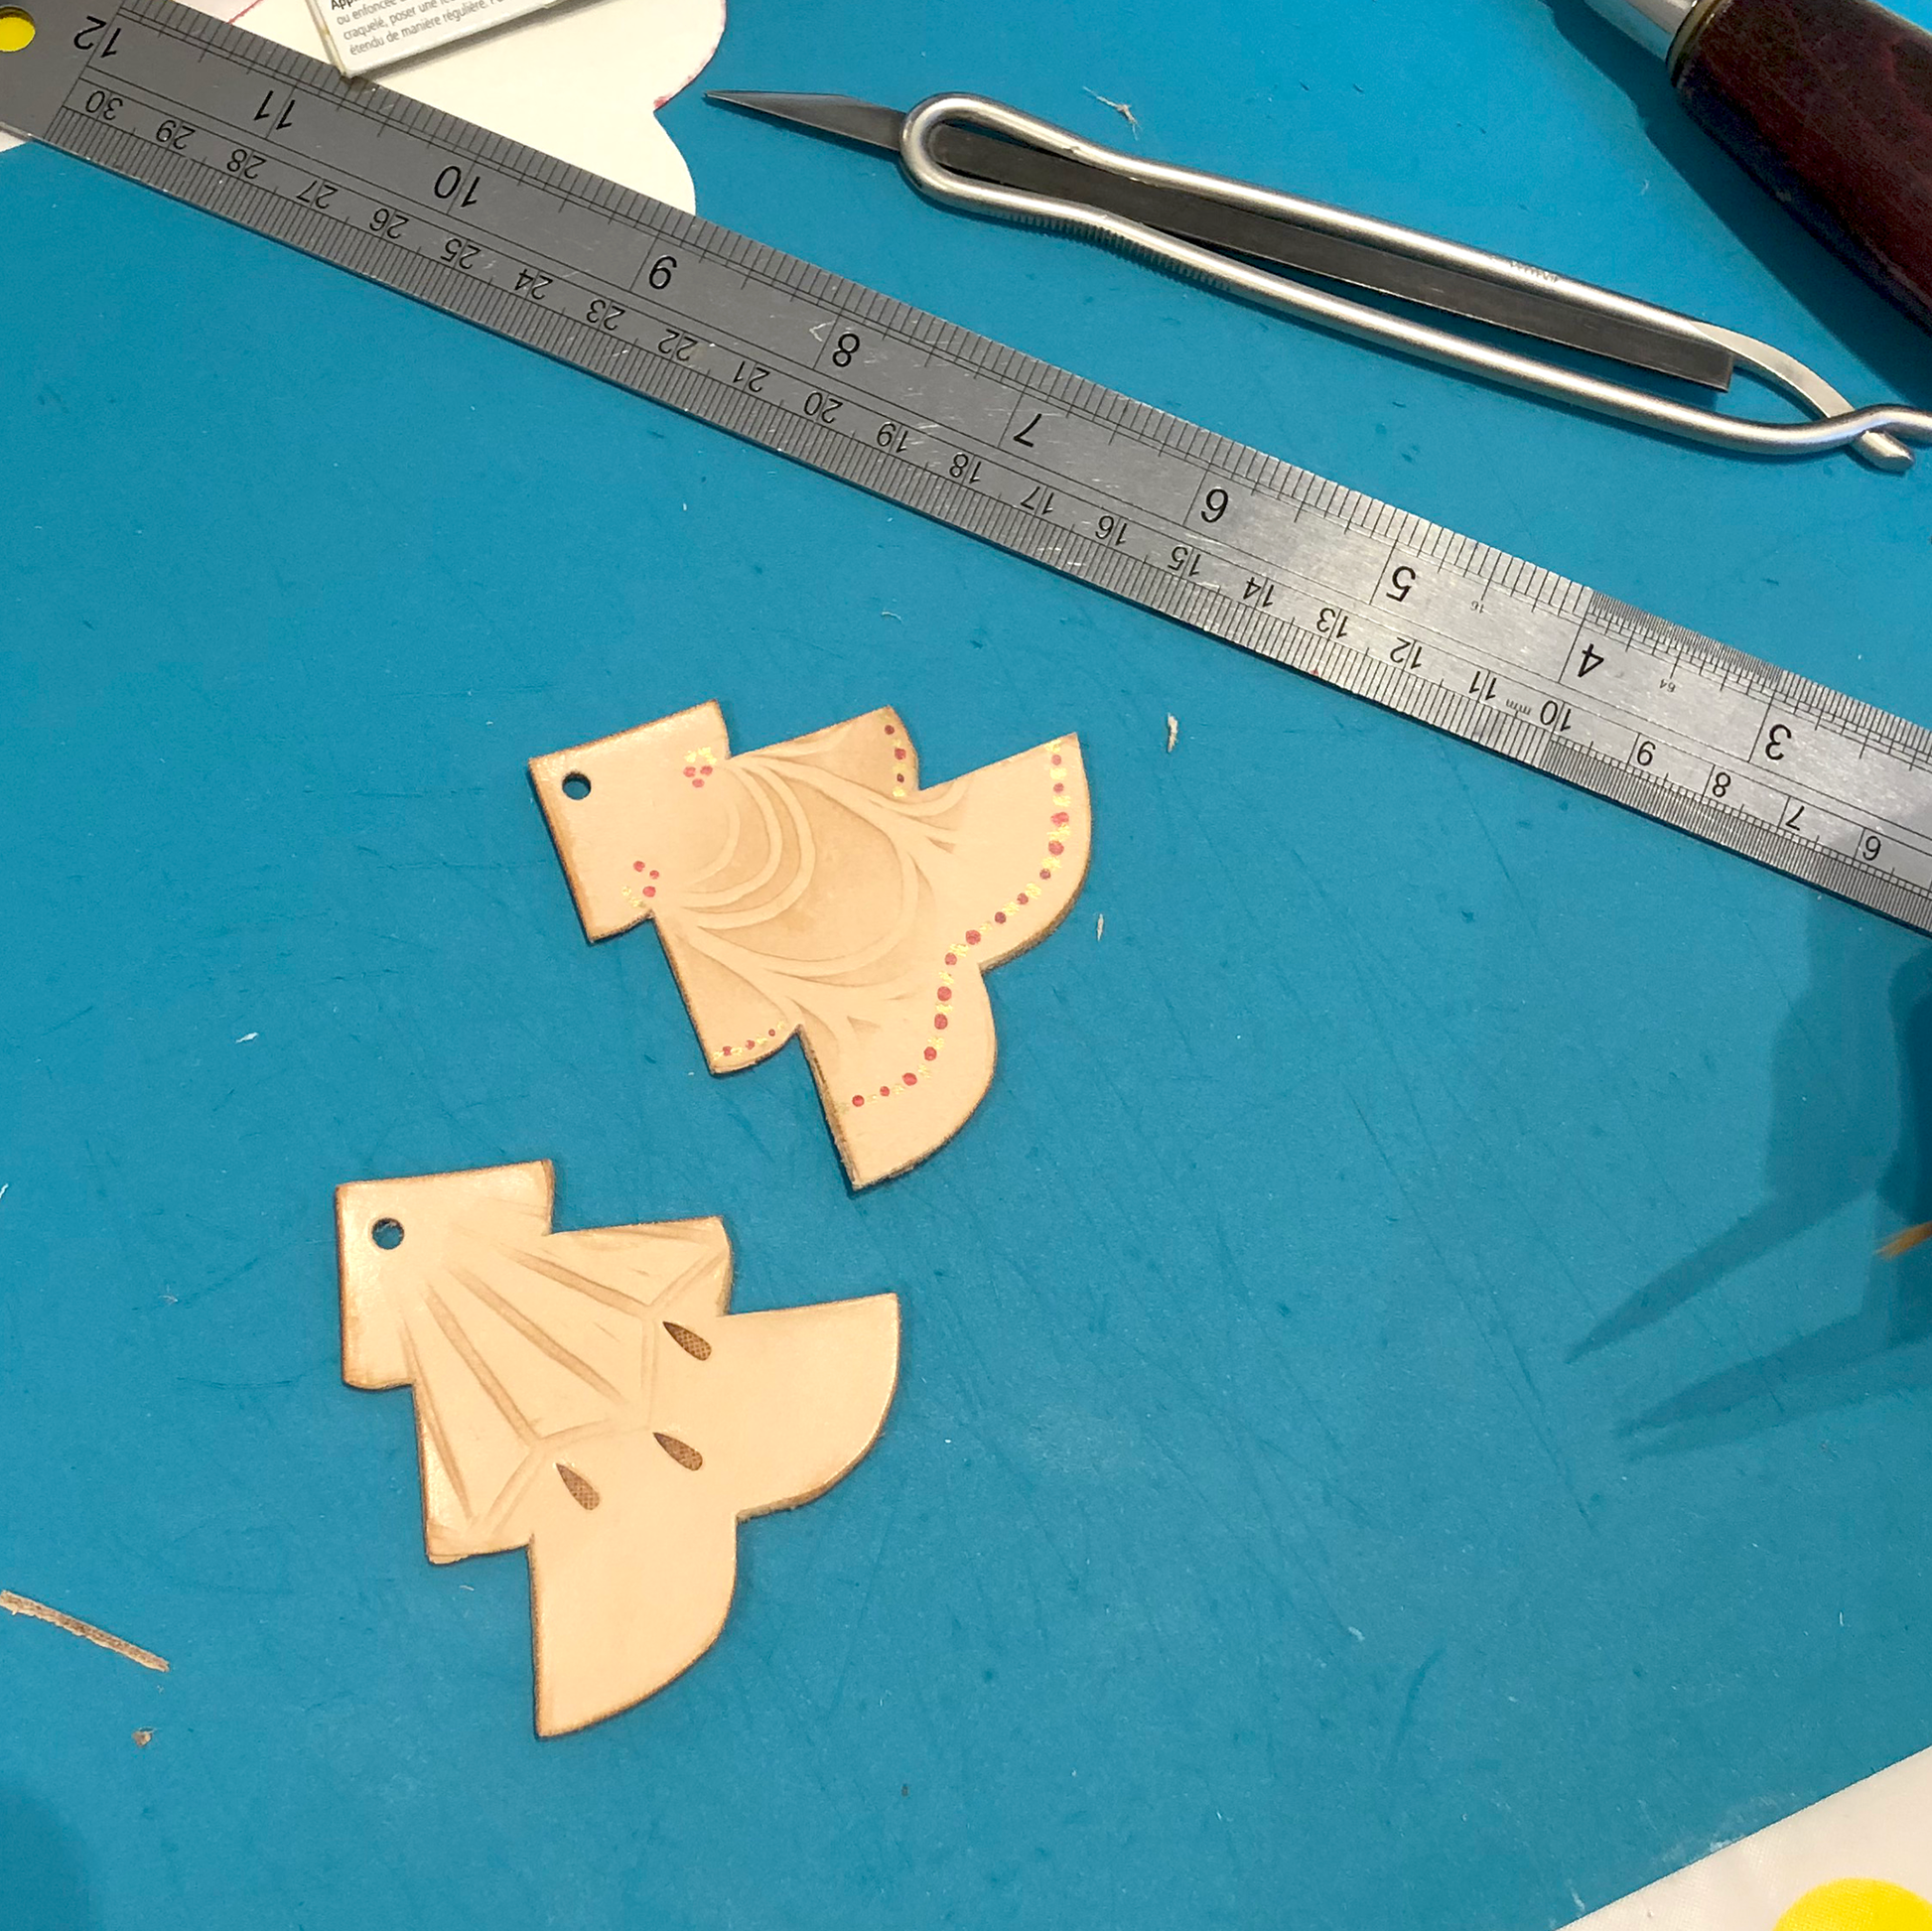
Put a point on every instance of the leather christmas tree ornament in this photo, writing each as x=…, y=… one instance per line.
x=814, y=887
x=586, y=1396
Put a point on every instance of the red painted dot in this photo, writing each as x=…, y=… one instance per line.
x=1023, y=900
x=952, y=958
x=639, y=866
x=1056, y=758
x=726, y=1050
x=932, y=1052
x=1046, y=874
x=650, y=892
x=690, y=770
x=885, y=1092
x=770, y=1032
x=938, y=1022
x=972, y=939
x=898, y=751
x=1057, y=789
x=945, y=992
x=653, y=875
x=910, y=1080
x=858, y=1099
x=697, y=784
x=892, y=731
x=999, y=918
x=705, y=769
x=1058, y=818
x=1055, y=846
x=751, y=1045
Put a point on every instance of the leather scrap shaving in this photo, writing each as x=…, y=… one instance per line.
x=24, y=1605
x=1100, y=926
x=1174, y=731
x=1120, y=108
x=143, y=1738
x=1905, y=1242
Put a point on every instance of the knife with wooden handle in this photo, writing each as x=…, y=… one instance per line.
x=1828, y=103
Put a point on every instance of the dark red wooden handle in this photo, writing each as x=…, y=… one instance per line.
x=1828, y=103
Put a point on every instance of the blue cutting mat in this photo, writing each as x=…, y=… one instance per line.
x=1250, y=1543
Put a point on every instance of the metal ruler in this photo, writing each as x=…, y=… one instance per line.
x=1089, y=482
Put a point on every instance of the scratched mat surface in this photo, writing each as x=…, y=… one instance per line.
x=1400, y=1421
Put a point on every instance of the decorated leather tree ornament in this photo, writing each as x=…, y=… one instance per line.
x=814, y=887
x=586, y=1396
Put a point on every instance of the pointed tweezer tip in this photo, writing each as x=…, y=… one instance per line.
x=765, y=101
x=837, y=115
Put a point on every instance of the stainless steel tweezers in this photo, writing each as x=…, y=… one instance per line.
x=965, y=151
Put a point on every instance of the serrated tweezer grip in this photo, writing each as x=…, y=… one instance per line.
x=1878, y=434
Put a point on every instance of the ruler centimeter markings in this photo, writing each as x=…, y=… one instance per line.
x=1137, y=502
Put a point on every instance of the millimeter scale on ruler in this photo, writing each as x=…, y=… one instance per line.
x=1137, y=502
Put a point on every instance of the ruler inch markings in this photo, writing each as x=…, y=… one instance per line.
x=1168, y=514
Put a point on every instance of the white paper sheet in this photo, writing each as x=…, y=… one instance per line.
x=1878, y=1832
x=582, y=82
x=366, y=36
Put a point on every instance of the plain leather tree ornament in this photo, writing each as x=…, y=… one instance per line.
x=586, y=1396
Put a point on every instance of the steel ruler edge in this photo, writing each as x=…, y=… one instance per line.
x=1148, y=507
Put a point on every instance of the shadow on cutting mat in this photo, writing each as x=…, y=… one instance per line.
x=43, y=1887
x=1851, y=1070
